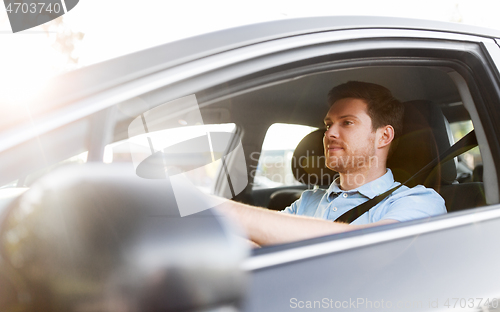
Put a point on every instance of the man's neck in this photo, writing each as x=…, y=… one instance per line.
x=352, y=180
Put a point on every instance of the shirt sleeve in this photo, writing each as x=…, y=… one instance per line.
x=307, y=204
x=297, y=206
x=418, y=202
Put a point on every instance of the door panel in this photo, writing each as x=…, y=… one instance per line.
x=417, y=271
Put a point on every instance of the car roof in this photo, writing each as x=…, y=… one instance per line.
x=98, y=77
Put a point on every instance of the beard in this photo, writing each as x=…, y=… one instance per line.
x=351, y=160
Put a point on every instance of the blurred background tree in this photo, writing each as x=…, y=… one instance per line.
x=64, y=40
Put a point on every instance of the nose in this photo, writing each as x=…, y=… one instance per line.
x=332, y=132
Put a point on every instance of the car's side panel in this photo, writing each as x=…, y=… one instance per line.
x=414, y=273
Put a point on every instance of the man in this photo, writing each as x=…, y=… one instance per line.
x=362, y=122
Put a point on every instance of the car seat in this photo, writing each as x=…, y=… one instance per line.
x=308, y=167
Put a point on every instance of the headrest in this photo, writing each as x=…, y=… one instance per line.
x=424, y=137
x=308, y=162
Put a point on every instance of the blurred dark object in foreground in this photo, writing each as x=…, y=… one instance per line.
x=99, y=238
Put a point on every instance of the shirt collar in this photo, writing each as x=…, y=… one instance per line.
x=370, y=189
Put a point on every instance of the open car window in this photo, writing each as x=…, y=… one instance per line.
x=265, y=165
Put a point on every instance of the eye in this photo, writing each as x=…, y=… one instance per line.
x=347, y=122
x=327, y=126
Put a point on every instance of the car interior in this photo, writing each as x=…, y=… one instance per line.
x=432, y=106
x=435, y=117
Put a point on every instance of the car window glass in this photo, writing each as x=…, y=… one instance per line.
x=204, y=179
x=274, y=166
x=470, y=160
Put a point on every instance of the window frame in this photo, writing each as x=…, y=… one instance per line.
x=464, y=54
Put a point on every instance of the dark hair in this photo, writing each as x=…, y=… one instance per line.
x=382, y=107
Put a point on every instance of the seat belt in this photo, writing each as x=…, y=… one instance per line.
x=466, y=143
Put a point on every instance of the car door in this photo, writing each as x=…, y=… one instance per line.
x=444, y=262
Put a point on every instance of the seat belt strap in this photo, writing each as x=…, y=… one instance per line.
x=466, y=143
x=357, y=211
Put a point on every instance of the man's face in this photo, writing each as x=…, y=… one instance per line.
x=349, y=140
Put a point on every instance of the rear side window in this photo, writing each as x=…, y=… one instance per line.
x=470, y=163
x=274, y=166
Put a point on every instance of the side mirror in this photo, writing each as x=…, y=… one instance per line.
x=100, y=238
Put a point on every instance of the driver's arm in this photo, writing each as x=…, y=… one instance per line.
x=267, y=227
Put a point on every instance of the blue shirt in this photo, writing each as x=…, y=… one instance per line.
x=404, y=204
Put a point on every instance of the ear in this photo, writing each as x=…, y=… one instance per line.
x=385, y=135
